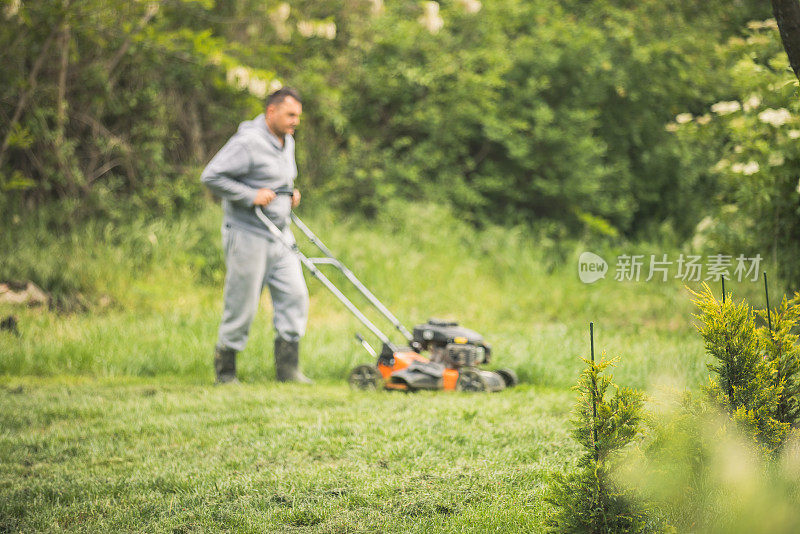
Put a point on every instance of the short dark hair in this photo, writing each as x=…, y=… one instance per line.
x=280, y=95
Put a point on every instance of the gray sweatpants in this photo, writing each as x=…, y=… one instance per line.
x=254, y=262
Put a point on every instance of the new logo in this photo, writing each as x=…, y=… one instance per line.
x=591, y=268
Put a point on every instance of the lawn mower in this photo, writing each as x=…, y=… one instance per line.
x=455, y=351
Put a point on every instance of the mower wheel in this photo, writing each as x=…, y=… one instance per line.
x=509, y=376
x=470, y=379
x=364, y=377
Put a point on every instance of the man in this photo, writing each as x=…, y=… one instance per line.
x=254, y=168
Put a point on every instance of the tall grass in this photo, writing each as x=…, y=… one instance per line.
x=153, y=292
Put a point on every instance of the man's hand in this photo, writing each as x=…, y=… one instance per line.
x=264, y=197
x=295, y=198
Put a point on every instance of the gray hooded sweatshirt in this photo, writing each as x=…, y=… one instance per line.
x=251, y=160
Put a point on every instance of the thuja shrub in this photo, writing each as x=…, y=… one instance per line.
x=589, y=500
x=696, y=471
x=782, y=353
x=743, y=380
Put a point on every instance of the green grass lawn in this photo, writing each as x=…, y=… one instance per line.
x=109, y=420
x=133, y=454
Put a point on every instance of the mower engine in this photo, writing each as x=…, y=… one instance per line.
x=455, y=354
x=451, y=345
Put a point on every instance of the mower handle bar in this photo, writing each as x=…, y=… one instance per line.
x=331, y=260
x=310, y=264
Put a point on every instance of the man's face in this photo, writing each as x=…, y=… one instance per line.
x=283, y=118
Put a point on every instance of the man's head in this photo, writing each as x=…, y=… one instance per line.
x=283, y=111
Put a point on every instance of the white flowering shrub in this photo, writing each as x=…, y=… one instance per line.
x=752, y=139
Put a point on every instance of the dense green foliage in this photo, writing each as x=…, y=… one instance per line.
x=750, y=141
x=589, y=500
x=697, y=472
x=528, y=110
x=511, y=111
x=106, y=104
x=693, y=470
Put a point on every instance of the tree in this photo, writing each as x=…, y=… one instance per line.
x=787, y=14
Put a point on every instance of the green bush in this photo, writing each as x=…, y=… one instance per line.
x=781, y=350
x=751, y=137
x=590, y=500
x=110, y=107
x=526, y=111
x=750, y=376
x=510, y=111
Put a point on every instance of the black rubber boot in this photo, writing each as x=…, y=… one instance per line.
x=287, y=356
x=225, y=366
